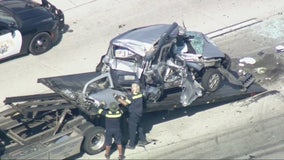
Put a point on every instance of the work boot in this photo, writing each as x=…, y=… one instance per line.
x=107, y=156
x=121, y=157
x=142, y=143
x=128, y=146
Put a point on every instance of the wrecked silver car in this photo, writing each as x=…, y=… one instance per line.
x=167, y=56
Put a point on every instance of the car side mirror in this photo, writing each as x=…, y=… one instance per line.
x=12, y=28
x=13, y=32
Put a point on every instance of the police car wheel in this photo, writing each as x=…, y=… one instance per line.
x=94, y=139
x=40, y=43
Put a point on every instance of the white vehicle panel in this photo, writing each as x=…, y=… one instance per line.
x=10, y=44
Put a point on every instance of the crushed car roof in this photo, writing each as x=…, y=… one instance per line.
x=141, y=40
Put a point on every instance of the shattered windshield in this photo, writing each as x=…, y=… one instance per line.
x=197, y=41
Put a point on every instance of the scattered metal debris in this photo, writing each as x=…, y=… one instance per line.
x=261, y=70
x=279, y=48
x=248, y=60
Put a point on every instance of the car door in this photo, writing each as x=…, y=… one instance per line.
x=10, y=42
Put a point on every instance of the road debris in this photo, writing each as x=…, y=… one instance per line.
x=279, y=48
x=261, y=70
x=248, y=60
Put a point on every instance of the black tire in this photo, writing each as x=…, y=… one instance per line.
x=211, y=79
x=154, y=97
x=40, y=43
x=94, y=138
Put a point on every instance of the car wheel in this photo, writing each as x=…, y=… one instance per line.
x=94, y=138
x=40, y=43
x=155, y=95
x=211, y=79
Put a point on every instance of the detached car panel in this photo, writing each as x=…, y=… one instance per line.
x=28, y=27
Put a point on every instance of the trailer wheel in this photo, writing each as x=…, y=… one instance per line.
x=211, y=79
x=94, y=139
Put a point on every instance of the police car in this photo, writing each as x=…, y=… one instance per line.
x=28, y=27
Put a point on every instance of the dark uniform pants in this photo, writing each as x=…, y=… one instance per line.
x=113, y=133
x=133, y=126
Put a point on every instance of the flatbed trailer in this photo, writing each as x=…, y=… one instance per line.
x=228, y=92
x=46, y=126
x=54, y=126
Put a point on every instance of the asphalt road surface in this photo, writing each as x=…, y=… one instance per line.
x=245, y=129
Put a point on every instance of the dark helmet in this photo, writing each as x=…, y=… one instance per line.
x=113, y=107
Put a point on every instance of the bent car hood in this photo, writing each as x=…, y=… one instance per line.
x=141, y=40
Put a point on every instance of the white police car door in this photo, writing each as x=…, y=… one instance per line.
x=10, y=42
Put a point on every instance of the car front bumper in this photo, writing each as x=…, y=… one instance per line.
x=57, y=13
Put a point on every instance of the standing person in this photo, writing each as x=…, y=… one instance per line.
x=135, y=109
x=112, y=126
